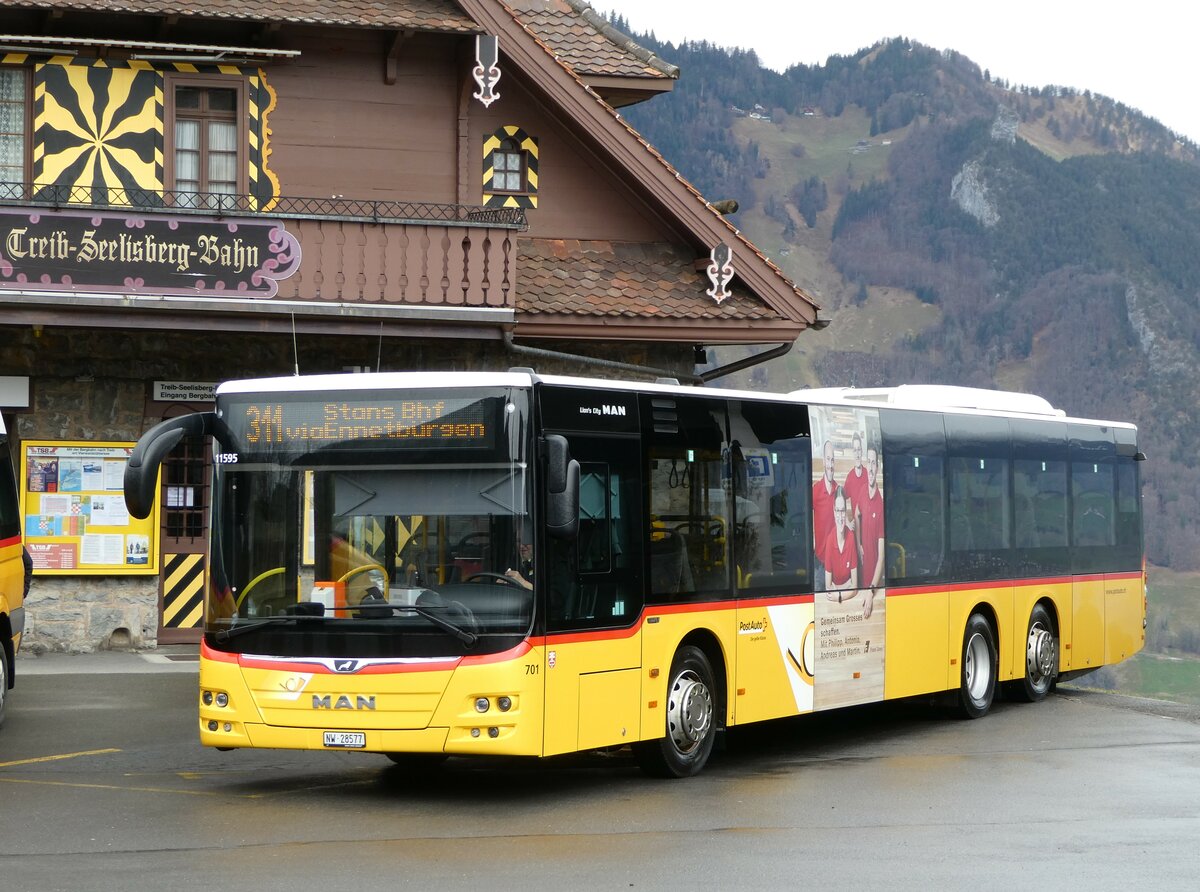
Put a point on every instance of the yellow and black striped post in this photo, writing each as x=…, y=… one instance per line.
x=182, y=591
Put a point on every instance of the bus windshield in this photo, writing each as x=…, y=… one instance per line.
x=371, y=523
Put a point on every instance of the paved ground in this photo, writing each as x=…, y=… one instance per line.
x=103, y=785
x=172, y=658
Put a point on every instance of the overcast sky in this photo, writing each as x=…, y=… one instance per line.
x=1142, y=54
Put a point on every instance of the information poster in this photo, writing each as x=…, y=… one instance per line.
x=76, y=521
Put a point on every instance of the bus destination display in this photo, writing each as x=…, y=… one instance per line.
x=433, y=421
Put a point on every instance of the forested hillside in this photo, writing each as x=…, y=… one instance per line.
x=960, y=230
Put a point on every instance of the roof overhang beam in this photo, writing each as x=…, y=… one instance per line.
x=146, y=50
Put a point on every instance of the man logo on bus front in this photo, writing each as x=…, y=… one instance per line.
x=345, y=665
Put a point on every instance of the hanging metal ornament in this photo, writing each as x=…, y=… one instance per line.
x=720, y=272
x=487, y=69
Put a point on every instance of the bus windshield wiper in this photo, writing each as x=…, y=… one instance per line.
x=367, y=605
x=303, y=610
x=243, y=627
x=374, y=600
x=466, y=637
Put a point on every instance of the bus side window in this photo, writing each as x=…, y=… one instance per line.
x=595, y=579
x=914, y=449
x=980, y=471
x=690, y=519
x=1093, y=457
x=772, y=485
x=1129, y=516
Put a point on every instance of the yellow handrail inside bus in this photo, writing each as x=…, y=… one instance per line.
x=358, y=571
x=255, y=581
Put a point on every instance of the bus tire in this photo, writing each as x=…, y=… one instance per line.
x=690, y=720
x=1041, y=658
x=979, y=667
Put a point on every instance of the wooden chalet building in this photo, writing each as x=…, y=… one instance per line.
x=195, y=191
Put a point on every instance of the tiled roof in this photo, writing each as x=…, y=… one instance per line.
x=633, y=280
x=585, y=40
x=422, y=15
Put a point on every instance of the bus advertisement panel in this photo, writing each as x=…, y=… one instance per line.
x=848, y=544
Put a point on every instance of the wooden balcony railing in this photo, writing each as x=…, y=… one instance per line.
x=373, y=252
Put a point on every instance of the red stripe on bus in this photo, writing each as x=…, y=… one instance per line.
x=311, y=666
x=218, y=656
x=513, y=653
x=316, y=668
x=900, y=591
x=782, y=601
x=666, y=610
x=11, y=540
x=576, y=637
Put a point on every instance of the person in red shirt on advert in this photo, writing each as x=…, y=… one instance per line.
x=870, y=532
x=841, y=554
x=822, y=501
x=856, y=484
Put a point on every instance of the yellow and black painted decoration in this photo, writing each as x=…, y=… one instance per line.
x=99, y=124
x=264, y=185
x=98, y=128
x=529, y=148
x=182, y=591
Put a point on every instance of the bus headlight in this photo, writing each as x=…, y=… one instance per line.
x=482, y=704
x=505, y=703
x=222, y=699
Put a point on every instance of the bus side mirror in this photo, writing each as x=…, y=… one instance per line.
x=141, y=474
x=562, y=489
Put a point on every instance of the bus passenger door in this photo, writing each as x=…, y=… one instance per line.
x=591, y=591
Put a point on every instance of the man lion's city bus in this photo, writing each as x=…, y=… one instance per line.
x=14, y=574
x=434, y=564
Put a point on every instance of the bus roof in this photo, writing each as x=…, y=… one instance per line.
x=375, y=381
x=928, y=397
x=937, y=397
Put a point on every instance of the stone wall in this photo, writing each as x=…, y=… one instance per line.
x=93, y=384
x=87, y=613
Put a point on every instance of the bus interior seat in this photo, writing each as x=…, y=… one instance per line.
x=670, y=569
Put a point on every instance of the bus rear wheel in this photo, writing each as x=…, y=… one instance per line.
x=1041, y=658
x=690, y=720
x=980, y=664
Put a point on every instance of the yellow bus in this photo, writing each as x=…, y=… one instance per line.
x=423, y=565
x=14, y=574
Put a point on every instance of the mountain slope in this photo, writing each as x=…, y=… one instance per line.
x=957, y=230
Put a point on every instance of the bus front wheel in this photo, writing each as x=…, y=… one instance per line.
x=977, y=685
x=690, y=719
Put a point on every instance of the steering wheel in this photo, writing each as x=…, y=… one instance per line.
x=493, y=577
x=365, y=568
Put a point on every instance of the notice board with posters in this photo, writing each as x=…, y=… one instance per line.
x=73, y=502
